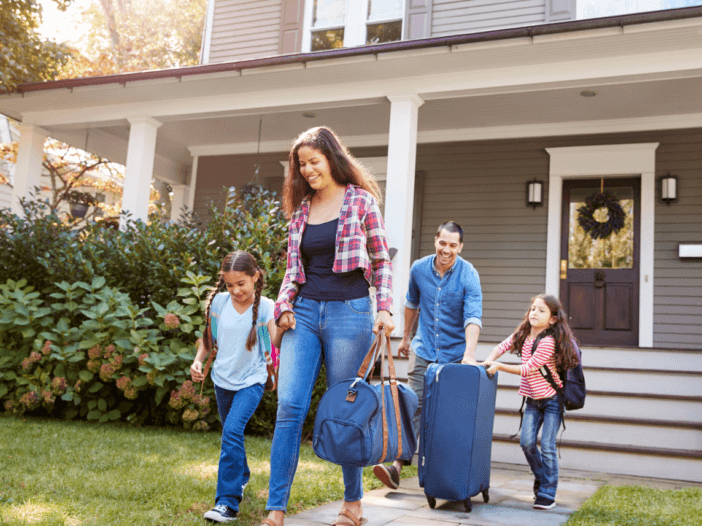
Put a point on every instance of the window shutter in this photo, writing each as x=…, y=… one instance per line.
x=417, y=19
x=291, y=26
x=560, y=10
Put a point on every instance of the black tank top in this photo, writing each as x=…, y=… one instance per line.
x=317, y=248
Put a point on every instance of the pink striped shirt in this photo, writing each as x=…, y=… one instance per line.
x=533, y=384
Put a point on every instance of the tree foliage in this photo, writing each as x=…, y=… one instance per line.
x=138, y=35
x=24, y=55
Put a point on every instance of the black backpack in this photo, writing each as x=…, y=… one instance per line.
x=573, y=393
x=572, y=396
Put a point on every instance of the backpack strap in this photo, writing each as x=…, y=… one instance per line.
x=218, y=304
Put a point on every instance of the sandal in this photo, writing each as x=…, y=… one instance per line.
x=354, y=521
x=267, y=522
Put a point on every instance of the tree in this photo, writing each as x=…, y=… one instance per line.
x=24, y=55
x=138, y=35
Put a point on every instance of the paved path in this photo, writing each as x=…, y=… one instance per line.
x=511, y=500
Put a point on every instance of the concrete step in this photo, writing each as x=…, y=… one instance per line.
x=625, y=460
x=621, y=405
x=623, y=358
x=644, y=382
x=623, y=432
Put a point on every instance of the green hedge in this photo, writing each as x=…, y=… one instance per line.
x=115, y=341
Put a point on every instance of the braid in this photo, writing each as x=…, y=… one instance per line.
x=208, y=306
x=251, y=340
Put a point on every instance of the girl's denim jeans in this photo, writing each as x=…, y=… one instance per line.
x=342, y=333
x=544, y=464
x=235, y=410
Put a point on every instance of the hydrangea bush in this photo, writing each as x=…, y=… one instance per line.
x=116, y=342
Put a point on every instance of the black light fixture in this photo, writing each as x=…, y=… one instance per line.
x=668, y=185
x=535, y=193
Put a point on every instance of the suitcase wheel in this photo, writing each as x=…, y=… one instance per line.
x=431, y=501
x=486, y=496
x=468, y=505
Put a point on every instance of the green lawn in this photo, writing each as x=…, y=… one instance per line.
x=640, y=506
x=56, y=473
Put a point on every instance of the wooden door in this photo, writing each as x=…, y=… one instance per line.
x=599, y=285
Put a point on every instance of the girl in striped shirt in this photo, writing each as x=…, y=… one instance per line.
x=546, y=324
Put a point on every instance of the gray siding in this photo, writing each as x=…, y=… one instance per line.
x=214, y=173
x=450, y=17
x=482, y=186
x=245, y=29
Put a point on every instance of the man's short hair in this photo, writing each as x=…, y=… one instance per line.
x=450, y=226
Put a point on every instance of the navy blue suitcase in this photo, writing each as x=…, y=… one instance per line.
x=455, y=447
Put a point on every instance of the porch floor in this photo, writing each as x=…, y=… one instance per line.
x=510, y=503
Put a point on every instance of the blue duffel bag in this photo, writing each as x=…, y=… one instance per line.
x=355, y=426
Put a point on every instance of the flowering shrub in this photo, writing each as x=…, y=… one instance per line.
x=117, y=343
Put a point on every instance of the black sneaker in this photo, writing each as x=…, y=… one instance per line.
x=542, y=503
x=387, y=475
x=221, y=513
x=537, y=483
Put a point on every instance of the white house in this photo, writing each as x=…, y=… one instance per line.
x=474, y=101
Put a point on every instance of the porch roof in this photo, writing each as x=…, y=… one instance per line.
x=646, y=69
x=406, y=45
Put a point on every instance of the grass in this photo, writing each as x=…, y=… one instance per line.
x=640, y=506
x=59, y=473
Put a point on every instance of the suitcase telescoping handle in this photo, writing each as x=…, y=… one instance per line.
x=488, y=374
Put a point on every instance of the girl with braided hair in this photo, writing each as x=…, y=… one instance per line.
x=239, y=372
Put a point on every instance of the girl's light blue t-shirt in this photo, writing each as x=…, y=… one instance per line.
x=235, y=368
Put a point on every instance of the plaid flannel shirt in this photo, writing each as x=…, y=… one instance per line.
x=360, y=243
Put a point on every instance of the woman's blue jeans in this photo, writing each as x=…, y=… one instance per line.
x=235, y=410
x=339, y=331
x=544, y=464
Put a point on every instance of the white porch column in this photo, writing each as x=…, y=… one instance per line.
x=140, y=165
x=399, y=194
x=179, y=200
x=28, y=168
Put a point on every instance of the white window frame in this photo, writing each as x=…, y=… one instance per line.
x=355, y=24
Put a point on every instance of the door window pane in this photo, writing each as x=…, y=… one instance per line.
x=384, y=9
x=387, y=32
x=329, y=39
x=329, y=13
x=615, y=251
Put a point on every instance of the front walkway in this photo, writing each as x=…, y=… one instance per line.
x=511, y=499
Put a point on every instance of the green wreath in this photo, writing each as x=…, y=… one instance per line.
x=595, y=228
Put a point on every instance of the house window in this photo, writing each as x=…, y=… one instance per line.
x=384, y=22
x=332, y=24
x=328, y=18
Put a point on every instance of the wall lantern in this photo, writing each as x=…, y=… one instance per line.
x=535, y=193
x=669, y=188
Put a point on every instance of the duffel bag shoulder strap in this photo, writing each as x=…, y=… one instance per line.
x=395, y=395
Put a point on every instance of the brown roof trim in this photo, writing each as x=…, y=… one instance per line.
x=502, y=34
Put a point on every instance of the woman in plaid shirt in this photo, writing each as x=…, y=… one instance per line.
x=337, y=249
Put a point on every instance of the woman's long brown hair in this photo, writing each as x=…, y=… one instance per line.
x=239, y=261
x=345, y=169
x=565, y=354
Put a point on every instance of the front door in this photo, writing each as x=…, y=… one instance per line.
x=599, y=284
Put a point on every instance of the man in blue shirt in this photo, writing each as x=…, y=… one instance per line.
x=444, y=292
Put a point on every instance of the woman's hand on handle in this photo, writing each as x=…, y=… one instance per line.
x=286, y=321
x=384, y=320
x=196, y=371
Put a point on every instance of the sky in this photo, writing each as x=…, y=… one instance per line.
x=60, y=26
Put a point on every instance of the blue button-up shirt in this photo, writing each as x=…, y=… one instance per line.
x=447, y=305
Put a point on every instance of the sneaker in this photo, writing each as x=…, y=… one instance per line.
x=221, y=513
x=542, y=503
x=387, y=475
x=537, y=483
